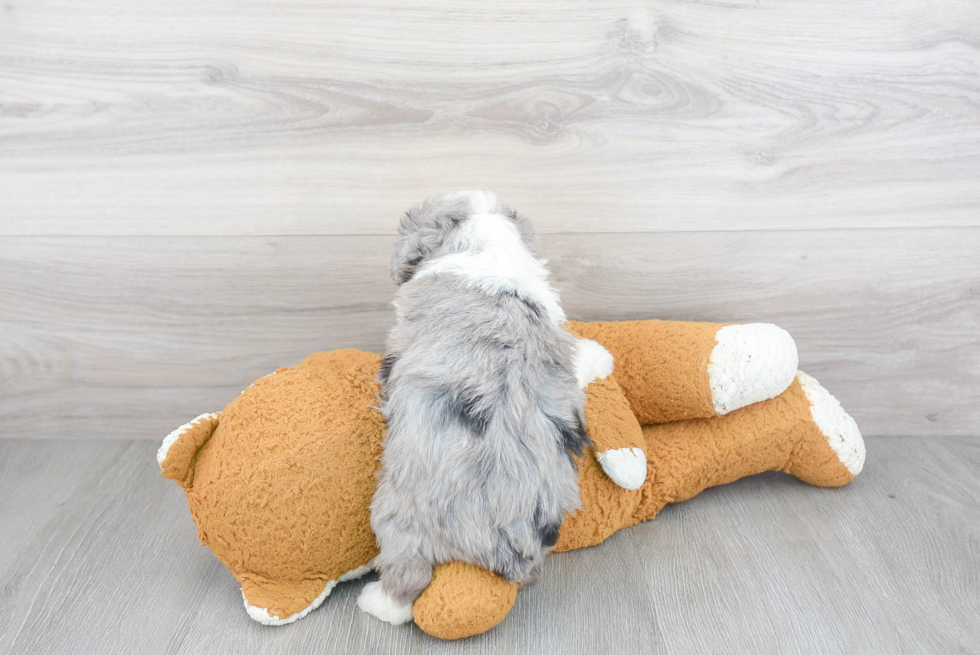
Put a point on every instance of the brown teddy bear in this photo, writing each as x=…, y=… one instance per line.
x=280, y=483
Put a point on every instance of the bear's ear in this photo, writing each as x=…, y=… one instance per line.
x=409, y=250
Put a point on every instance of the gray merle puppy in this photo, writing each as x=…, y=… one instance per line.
x=482, y=401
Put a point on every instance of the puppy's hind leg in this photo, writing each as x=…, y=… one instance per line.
x=534, y=575
x=390, y=598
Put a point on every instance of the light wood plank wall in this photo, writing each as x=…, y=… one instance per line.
x=195, y=193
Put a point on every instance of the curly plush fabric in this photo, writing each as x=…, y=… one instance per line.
x=662, y=369
x=280, y=482
x=448, y=608
x=287, y=475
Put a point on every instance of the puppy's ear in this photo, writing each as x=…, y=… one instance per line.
x=524, y=227
x=423, y=233
x=409, y=251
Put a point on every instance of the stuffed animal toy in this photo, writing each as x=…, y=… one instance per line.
x=280, y=482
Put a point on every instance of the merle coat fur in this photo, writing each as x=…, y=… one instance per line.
x=480, y=396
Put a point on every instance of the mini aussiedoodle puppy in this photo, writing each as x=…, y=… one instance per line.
x=482, y=393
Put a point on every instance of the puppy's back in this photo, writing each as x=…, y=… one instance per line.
x=483, y=409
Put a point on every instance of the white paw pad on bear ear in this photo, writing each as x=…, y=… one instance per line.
x=627, y=467
x=749, y=364
x=262, y=615
x=174, y=436
x=374, y=601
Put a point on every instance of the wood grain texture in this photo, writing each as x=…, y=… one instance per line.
x=103, y=558
x=202, y=118
x=130, y=337
x=887, y=564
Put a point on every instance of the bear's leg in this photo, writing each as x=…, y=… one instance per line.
x=671, y=370
x=463, y=600
x=832, y=452
x=617, y=439
x=612, y=427
x=803, y=431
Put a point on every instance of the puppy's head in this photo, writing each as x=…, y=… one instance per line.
x=441, y=226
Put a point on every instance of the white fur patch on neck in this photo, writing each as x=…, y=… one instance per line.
x=481, y=201
x=497, y=261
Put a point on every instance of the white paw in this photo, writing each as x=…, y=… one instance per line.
x=749, y=364
x=380, y=605
x=592, y=362
x=627, y=467
x=837, y=425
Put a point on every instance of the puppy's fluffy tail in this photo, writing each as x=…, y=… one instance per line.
x=178, y=452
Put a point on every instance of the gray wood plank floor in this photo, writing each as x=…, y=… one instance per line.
x=98, y=555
